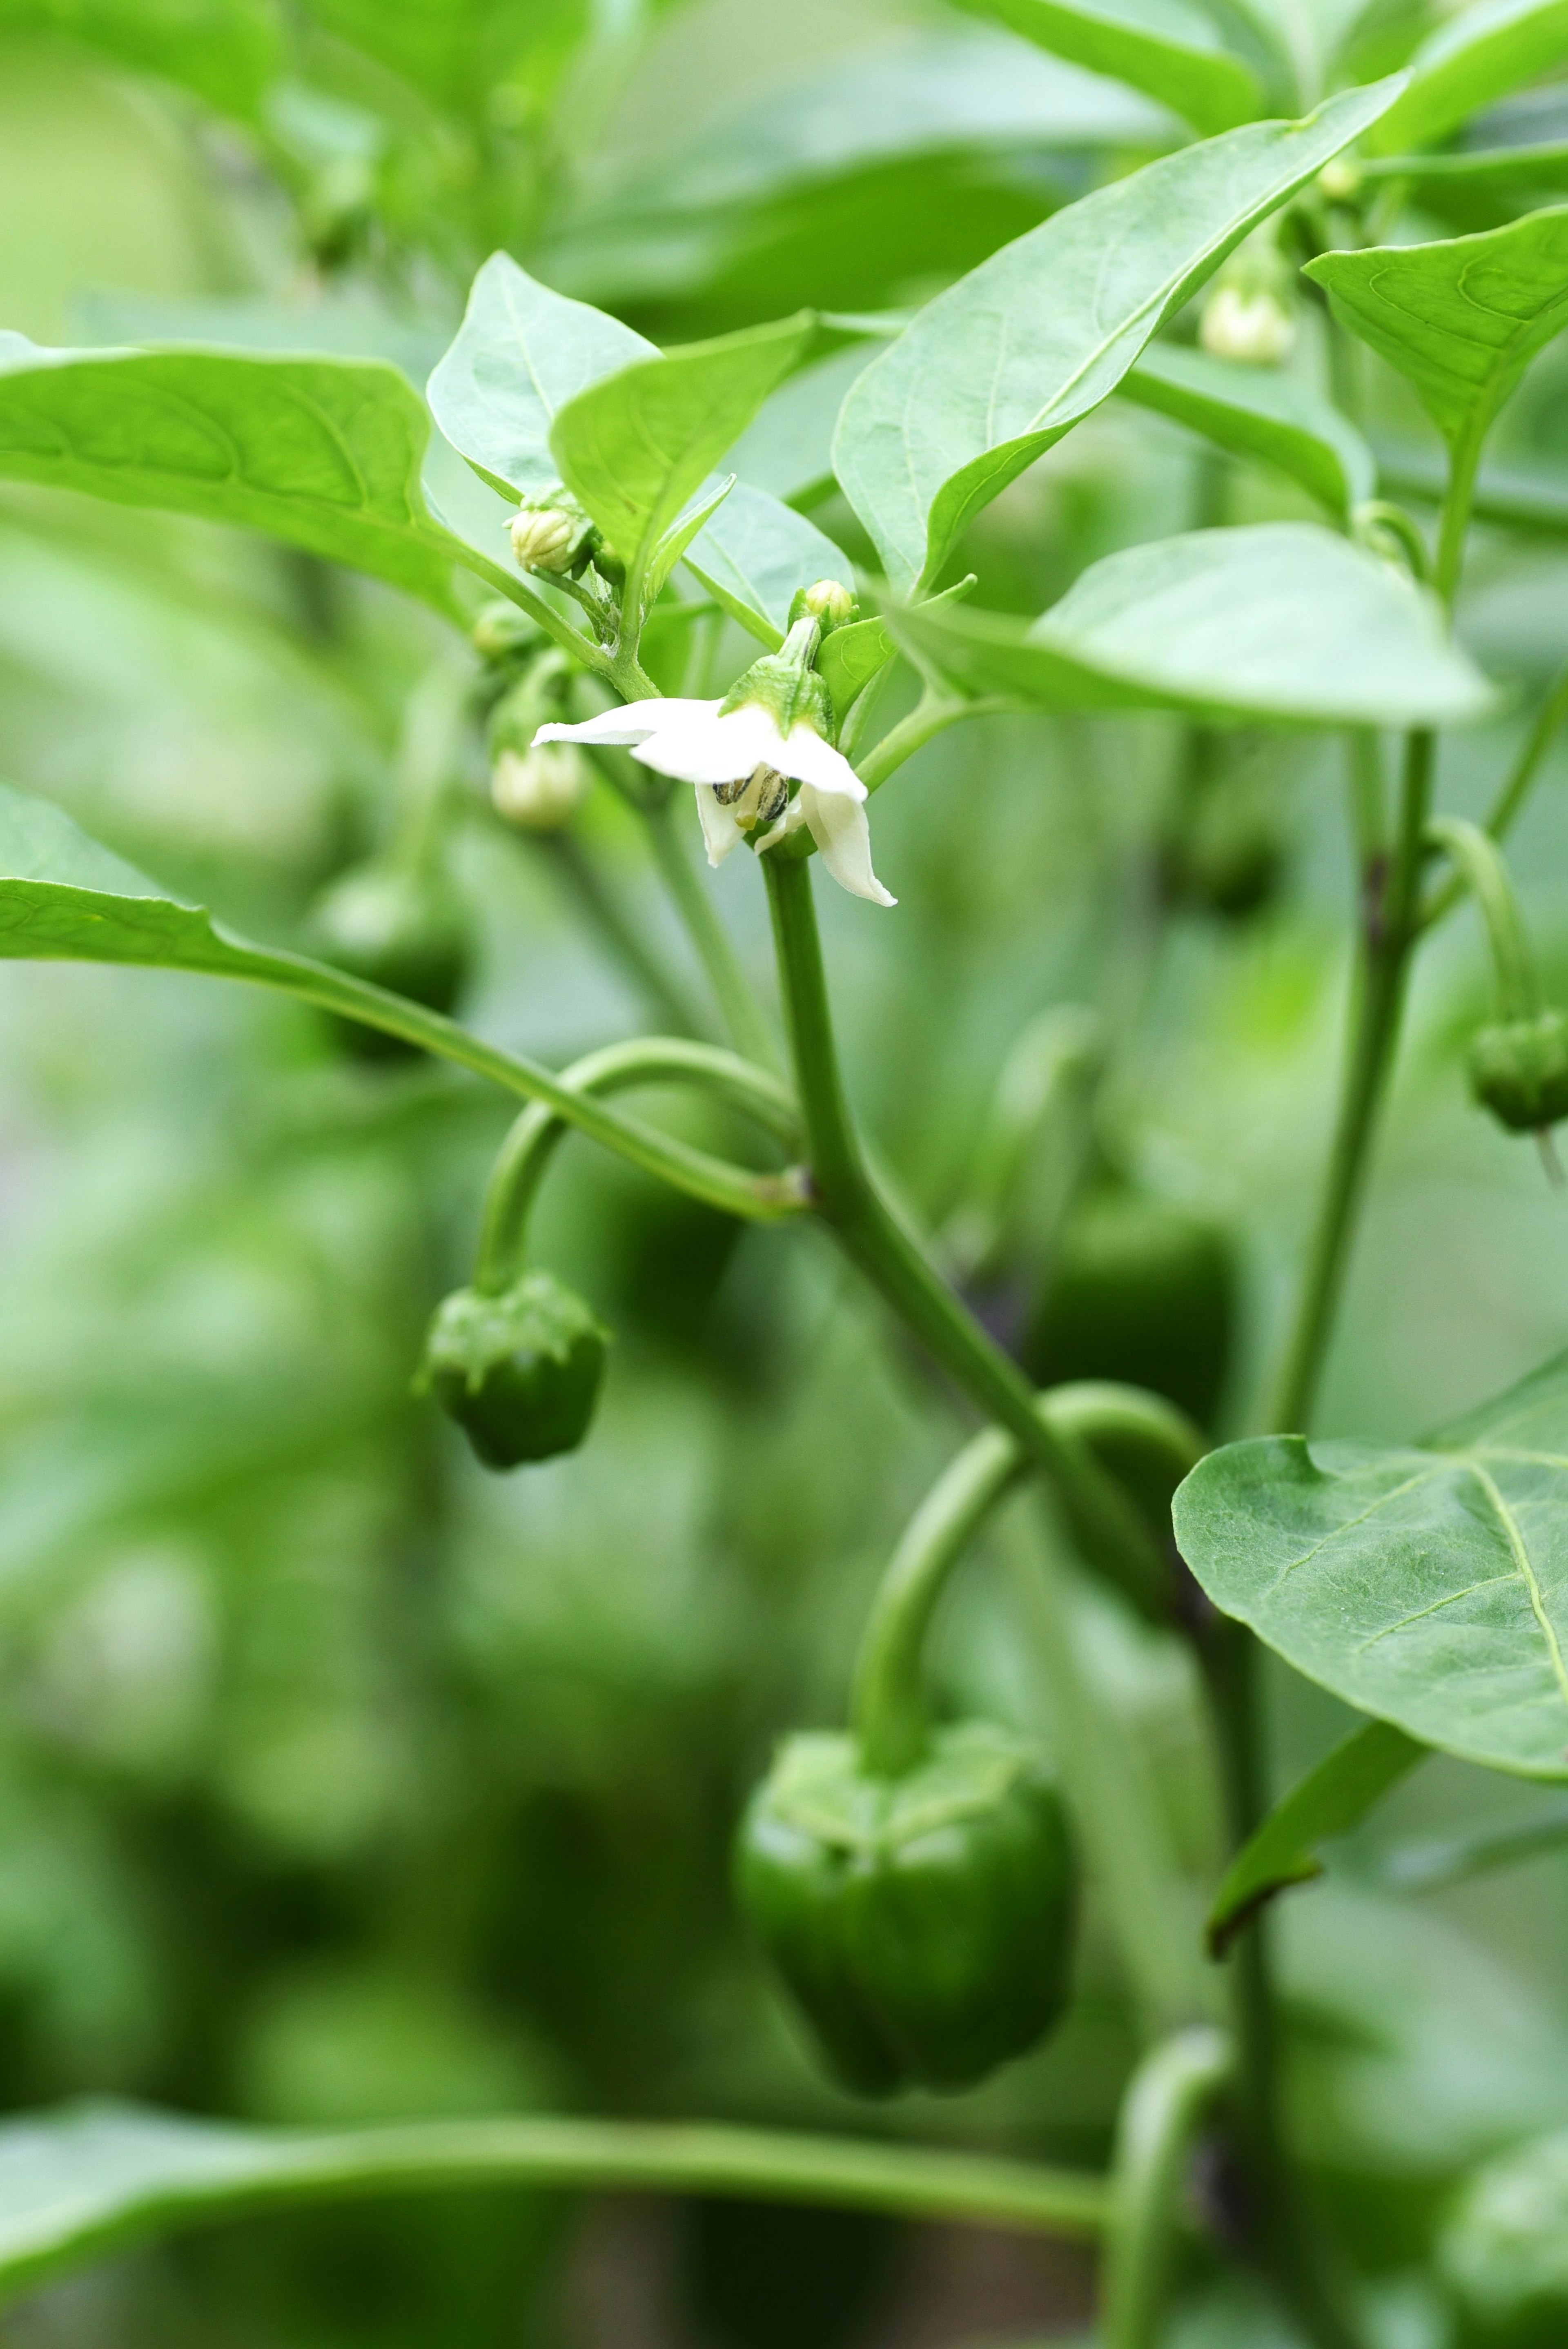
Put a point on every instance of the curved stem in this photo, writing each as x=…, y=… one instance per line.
x=1104, y=1519
x=1165, y=2102
x=1480, y=861
x=1389, y=929
x=526, y=1152
x=887, y=1707
x=931, y=715
x=195, y=2173
x=732, y=990
x=1512, y=797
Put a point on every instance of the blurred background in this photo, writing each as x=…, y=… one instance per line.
x=339, y=1781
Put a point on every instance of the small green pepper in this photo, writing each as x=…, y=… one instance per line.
x=520, y=1371
x=401, y=930
x=1142, y=1291
x=1518, y=1069
x=923, y=1922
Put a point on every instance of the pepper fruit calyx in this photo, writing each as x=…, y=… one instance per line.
x=1518, y=1069
x=519, y=1370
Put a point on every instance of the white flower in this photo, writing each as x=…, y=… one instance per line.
x=742, y=760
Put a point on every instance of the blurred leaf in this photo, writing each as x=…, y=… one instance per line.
x=1462, y=318
x=999, y=367
x=1503, y=2247
x=521, y=353
x=456, y=55
x=1167, y=47
x=1280, y=620
x=1486, y=50
x=1260, y=413
x=788, y=446
x=1433, y=1865
x=1483, y=187
x=228, y=51
x=324, y=453
x=637, y=445
x=1328, y=1802
x=756, y=555
x=1425, y=1586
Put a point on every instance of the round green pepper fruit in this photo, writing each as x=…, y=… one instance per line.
x=923, y=1923
x=1502, y=2250
x=520, y=1370
x=1518, y=1069
x=1141, y=1291
x=401, y=930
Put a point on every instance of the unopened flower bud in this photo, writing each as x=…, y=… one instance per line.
x=829, y=603
x=540, y=789
x=1255, y=327
x=502, y=632
x=1339, y=183
x=552, y=534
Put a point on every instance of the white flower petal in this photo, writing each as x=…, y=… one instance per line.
x=709, y=750
x=809, y=760
x=839, y=828
x=721, y=834
x=634, y=722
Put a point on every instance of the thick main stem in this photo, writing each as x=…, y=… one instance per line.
x=893, y=1261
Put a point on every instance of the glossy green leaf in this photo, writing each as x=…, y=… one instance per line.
x=1425, y=1585
x=323, y=452
x=77, y=2183
x=1479, y=55
x=637, y=445
x=996, y=369
x=1260, y=413
x=1328, y=1802
x=1171, y=48
x=755, y=555
x=520, y=355
x=1462, y=318
x=1281, y=620
x=228, y=51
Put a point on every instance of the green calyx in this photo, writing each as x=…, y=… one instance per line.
x=1518, y=1069
x=785, y=683
x=923, y=1924
x=520, y=1370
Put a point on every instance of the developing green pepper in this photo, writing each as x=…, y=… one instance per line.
x=520, y=1370
x=923, y=1922
x=1518, y=1069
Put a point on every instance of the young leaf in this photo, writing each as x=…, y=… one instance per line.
x=1260, y=413
x=1479, y=55
x=996, y=369
x=78, y=2182
x=1328, y=1802
x=1281, y=620
x=521, y=353
x=635, y=445
x=1428, y=1586
x=323, y=452
x=1167, y=47
x=756, y=555
x=1462, y=318
x=679, y=535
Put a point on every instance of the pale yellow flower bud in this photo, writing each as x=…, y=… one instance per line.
x=1253, y=326
x=540, y=789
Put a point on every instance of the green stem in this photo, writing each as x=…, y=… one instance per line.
x=931, y=715
x=887, y=1706
x=895, y=1264
x=664, y=992
x=1454, y=527
x=1514, y=792
x=257, y=2171
x=1389, y=931
x=1480, y=861
x=1165, y=2102
x=732, y=990
x=524, y=1155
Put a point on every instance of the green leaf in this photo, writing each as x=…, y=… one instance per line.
x=228, y=51
x=1328, y=1802
x=850, y=657
x=1483, y=187
x=1281, y=620
x=323, y=452
x=1167, y=47
x=635, y=445
x=756, y=555
x=1435, y=1863
x=520, y=355
x=1260, y=413
x=996, y=369
x=1462, y=318
x=789, y=448
x=1428, y=1586
x=78, y=2182
x=1479, y=55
